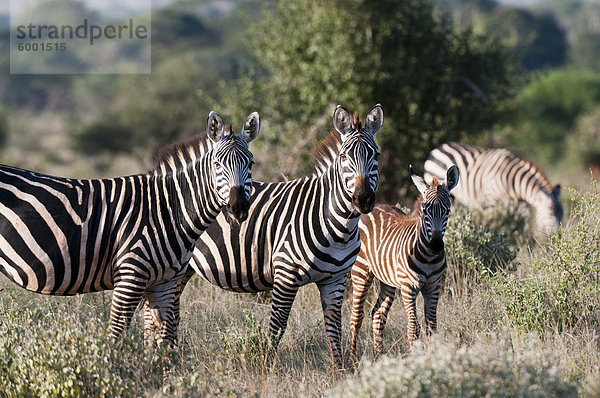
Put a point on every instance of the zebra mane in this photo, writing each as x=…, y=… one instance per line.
x=417, y=209
x=326, y=152
x=191, y=148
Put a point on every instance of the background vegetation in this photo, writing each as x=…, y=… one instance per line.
x=515, y=306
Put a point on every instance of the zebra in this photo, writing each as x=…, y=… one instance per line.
x=134, y=234
x=496, y=176
x=403, y=252
x=300, y=231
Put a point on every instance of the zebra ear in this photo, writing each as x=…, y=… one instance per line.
x=375, y=119
x=418, y=180
x=452, y=177
x=214, y=126
x=342, y=120
x=251, y=127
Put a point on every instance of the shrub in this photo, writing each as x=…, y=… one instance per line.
x=52, y=350
x=564, y=290
x=479, y=244
x=449, y=370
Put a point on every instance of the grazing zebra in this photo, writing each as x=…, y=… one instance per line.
x=135, y=234
x=300, y=231
x=403, y=252
x=496, y=176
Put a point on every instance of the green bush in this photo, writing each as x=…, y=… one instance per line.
x=564, y=288
x=53, y=350
x=548, y=108
x=584, y=143
x=479, y=244
x=450, y=370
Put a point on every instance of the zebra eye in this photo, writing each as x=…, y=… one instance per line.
x=251, y=164
x=343, y=157
x=377, y=156
x=218, y=166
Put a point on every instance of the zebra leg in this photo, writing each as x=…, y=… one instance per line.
x=332, y=295
x=431, y=296
x=284, y=293
x=127, y=294
x=379, y=314
x=159, y=304
x=361, y=281
x=409, y=298
x=152, y=317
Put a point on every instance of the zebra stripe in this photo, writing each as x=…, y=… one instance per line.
x=496, y=176
x=402, y=252
x=133, y=234
x=301, y=231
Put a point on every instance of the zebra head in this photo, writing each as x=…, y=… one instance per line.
x=232, y=162
x=435, y=205
x=358, y=154
x=549, y=211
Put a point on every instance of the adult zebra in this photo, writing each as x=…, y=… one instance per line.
x=402, y=252
x=135, y=234
x=497, y=176
x=300, y=231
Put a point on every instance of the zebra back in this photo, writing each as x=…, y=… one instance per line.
x=497, y=176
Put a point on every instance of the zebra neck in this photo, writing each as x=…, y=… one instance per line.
x=187, y=202
x=337, y=207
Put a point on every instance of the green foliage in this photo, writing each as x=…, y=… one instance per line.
x=58, y=354
x=548, y=108
x=434, y=85
x=450, y=370
x=480, y=245
x=564, y=292
x=583, y=145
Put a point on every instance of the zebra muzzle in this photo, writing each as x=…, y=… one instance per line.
x=363, y=197
x=437, y=241
x=238, y=204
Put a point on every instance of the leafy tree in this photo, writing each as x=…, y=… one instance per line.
x=548, y=108
x=434, y=84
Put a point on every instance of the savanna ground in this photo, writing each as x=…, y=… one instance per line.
x=519, y=317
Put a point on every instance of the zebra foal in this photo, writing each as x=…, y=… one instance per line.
x=403, y=252
x=134, y=234
x=497, y=176
x=300, y=231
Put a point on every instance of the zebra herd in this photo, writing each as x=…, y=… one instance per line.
x=199, y=211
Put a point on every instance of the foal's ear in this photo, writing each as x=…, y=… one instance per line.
x=417, y=180
x=375, y=119
x=214, y=126
x=342, y=120
x=452, y=177
x=251, y=127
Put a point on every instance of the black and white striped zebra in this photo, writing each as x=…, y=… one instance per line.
x=495, y=177
x=301, y=231
x=134, y=234
x=402, y=252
